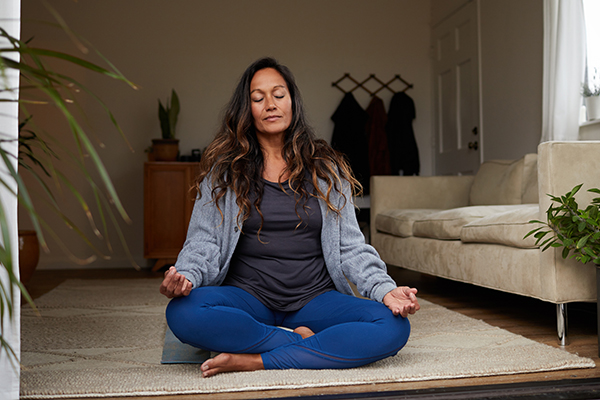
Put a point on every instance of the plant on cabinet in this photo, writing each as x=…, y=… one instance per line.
x=167, y=148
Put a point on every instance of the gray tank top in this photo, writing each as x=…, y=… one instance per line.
x=285, y=269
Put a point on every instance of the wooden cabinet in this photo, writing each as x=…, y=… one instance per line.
x=168, y=204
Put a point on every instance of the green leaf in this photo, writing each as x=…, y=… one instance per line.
x=532, y=232
x=23, y=194
x=163, y=116
x=584, y=259
x=582, y=242
x=23, y=50
x=81, y=137
x=575, y=190
x=589, y=251
x=173, y=112
x=547, y=246
x=14, y=359
x=565, y=252
x=533, y=221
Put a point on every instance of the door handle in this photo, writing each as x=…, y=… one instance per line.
x=473, y=145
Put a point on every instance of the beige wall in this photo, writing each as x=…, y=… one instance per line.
x=200, y=48
x=441, y=9
x=512, y=67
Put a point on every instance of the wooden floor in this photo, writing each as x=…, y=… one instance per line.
x=527, y=317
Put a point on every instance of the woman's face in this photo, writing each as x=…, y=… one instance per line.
x=271, y=102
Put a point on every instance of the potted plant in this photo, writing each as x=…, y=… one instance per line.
x=43, y=85
x=29, y=254
x=29, y=245
x=591, y=95
x=167, y=148
x=576, y=230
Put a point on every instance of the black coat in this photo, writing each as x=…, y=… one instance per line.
x=349, y=137
x=404, y=154
x=379, y=154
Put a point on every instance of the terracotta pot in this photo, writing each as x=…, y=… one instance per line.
x=165, y=149
x=29, y=254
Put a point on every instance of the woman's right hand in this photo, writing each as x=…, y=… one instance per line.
x=175, y=284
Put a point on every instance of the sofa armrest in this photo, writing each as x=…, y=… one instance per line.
x=395, y=192
x=561, y=166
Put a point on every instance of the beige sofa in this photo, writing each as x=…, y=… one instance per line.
x=471, y=228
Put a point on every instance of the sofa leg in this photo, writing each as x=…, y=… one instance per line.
x=561, y=324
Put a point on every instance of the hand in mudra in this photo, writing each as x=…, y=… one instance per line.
x=175, y=284
x=402, y=301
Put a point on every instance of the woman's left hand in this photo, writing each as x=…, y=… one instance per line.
x=402, y=300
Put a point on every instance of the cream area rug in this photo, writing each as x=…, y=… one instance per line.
x=101, y=338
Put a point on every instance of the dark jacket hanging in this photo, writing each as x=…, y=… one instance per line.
x=404, y=154
x=379, y=155
x=349, y=137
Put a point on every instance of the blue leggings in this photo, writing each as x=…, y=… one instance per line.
x=349, y=331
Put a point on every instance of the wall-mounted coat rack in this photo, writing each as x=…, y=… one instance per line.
x=383, y=85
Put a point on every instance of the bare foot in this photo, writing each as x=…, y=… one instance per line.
x=226, y=362
x=304, y=332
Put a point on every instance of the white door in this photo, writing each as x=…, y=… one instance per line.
x=457, y=135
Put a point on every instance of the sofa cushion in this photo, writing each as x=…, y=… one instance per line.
x=507, y=228
x=400, y=222
x=447, y=224
x=498, y=182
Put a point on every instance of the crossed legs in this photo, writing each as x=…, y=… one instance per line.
x=332, y=331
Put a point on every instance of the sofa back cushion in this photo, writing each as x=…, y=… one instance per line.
x=505, y=182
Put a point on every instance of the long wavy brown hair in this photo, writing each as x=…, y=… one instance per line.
x=234, y=160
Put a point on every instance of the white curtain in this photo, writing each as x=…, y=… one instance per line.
x=564, y=65
x=10, y=13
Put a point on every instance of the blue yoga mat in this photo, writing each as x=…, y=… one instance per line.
x=176, y=352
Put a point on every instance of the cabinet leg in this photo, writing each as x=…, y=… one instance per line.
x=161, y=262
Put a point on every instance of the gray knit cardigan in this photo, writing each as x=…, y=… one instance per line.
x=212, y=239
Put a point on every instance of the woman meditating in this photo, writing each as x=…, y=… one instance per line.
x=272, y=239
